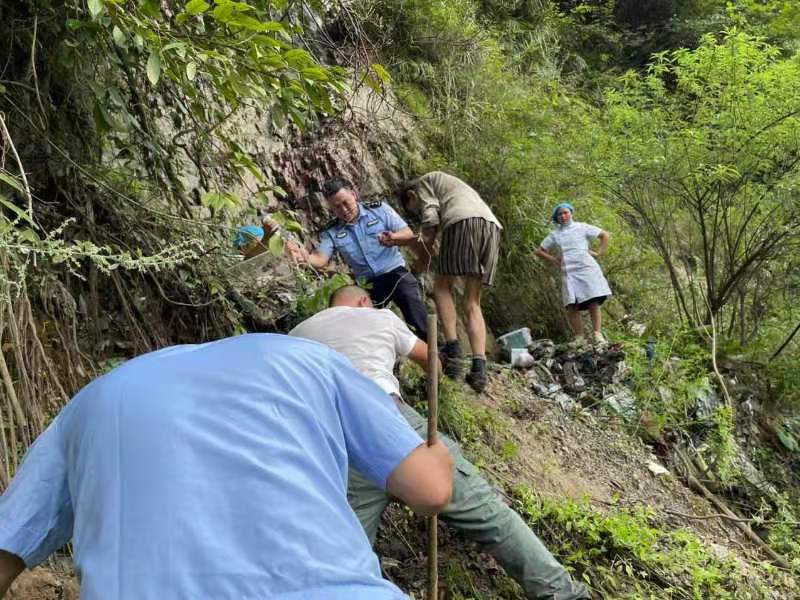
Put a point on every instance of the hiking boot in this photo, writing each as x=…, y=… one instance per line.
x=598, y=338
x=450, y=355
x=476, y=378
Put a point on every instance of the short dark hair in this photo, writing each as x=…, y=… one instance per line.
x=335, y=184
x=347, y=290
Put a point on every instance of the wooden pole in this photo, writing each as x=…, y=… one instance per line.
x=433, y=419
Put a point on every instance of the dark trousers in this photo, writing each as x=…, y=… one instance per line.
x=402, y=288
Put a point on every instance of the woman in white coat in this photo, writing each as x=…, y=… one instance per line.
x=583, y=286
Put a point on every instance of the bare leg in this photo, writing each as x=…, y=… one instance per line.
x=445, y=306
x=596, y=317
x=476, y=327
x=11, y=565
x=575, y=321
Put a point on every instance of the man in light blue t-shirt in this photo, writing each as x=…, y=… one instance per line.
x=219, y=471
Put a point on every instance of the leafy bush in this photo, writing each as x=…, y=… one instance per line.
x=694, y=152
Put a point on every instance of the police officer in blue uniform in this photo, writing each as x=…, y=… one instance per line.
x=357, y=233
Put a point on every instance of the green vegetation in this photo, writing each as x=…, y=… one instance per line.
x=135, y=133
x=674, y=125
x=106, y=107
x=700, y=155
x=624, y=555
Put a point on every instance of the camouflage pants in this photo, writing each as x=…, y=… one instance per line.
x=478, y=513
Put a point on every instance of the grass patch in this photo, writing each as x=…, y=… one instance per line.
x=626, y=555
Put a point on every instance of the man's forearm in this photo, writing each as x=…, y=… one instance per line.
x=403, y=237
x=11, y=566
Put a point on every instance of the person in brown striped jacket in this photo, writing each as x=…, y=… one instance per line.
x=470, y=241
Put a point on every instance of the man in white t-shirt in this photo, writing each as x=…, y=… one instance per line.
x=373, y=339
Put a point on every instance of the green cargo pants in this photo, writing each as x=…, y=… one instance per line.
x=477, y=512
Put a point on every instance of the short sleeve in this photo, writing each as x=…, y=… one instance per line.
x=326, y=246
x=36, y=516
x=391, y=219
x=590, y=231
x=549, y=242
x=377, y=436
x=404, y=338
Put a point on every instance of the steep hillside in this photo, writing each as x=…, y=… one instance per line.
x=622, y=518
x=136, y=136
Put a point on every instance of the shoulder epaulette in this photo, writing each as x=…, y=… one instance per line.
x=332, y=223
x=372, y=203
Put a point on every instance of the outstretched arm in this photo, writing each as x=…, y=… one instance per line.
x=316, y=259
x=419, y=354
x=11, y=566
x=321, y=256
x=401, y=237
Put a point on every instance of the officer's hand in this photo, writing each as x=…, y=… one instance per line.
x=386, y=238
x=297, y=252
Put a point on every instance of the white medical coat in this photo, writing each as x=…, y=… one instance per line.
x=581, y=277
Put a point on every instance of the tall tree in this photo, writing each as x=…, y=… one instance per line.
x=702, y=153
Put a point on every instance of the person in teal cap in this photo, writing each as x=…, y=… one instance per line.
x=583, y=285
x=249, y=240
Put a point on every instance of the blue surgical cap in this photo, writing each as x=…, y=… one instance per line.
x=566, y=205
x=246, y=234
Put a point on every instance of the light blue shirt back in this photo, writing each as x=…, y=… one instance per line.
x=212, y=471
x=358, y=243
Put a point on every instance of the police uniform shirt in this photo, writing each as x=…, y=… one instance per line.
x=358, y=244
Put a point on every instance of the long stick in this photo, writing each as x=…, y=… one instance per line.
x=433, y=419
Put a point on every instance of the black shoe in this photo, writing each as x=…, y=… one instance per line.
x=450, y=355
x=476, y=378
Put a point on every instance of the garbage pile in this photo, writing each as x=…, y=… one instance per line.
x=570, y=374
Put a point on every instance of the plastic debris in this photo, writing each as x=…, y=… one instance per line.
x=623, y=403
x=565, y=401
x=655, y=468
x=519, y=338
x=521, y=358
x=572, y=377
x=541, y=349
